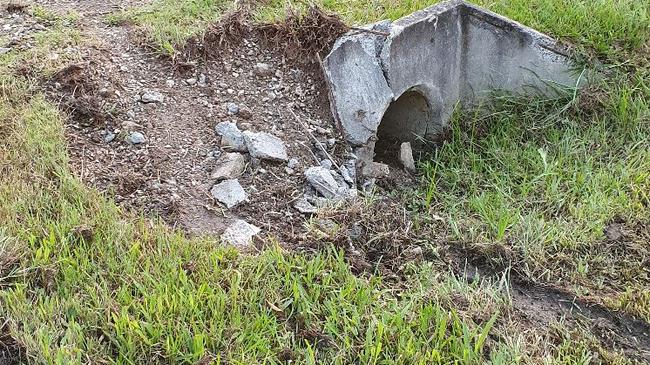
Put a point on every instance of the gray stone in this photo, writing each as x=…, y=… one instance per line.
x=170, y=83
x=109, y=137
x=322, y=180
x=191, y=81
x=375, y=170
x=304, y=206
x=406, y=156
x=230, y=193
x=4, y=50
x=136, y=138
x=148, y=97
x=232, y=108
x=326, y=163
x=347, y=176
x=411, y=78
x=265, y=146
x=231, y=137
x=262, y=69
x=240, y=233
x=293, y=163
x=229, y=166
x=202, y=82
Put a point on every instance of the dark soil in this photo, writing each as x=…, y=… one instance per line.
x=541, y=305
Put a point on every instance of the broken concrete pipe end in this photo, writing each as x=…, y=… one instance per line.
x=402, y=80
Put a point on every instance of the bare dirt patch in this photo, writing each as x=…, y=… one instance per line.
x=169, y=174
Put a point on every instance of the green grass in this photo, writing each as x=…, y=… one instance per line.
x=544, y=180
x=606, y=26
x=168, y=24
x=612, y=28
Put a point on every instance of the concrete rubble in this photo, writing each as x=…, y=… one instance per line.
x=232, y=138
x=229, y=166
x=265, y=146
x=406, y=156
x=240, y=233
x=230, y=193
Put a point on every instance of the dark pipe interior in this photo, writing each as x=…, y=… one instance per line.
x=405, y=120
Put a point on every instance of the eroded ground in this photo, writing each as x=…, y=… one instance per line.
x=98, y=82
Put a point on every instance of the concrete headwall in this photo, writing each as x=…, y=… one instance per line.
x=450, y=52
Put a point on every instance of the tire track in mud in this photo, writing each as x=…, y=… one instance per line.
x=541, y=305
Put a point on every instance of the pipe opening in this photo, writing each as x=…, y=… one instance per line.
x=405, y=120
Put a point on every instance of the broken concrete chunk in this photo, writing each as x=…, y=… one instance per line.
x=232, y=108
x=240, y=233
x=229, y=166
x=375, y=170
x=265, y=146
x=151, y=97
x=406, y=156
x=231, y=137
x=262, y=69
x=322, y=180
x=304, y=206
x=136, y=138
x=230, y=193
x=359, y=92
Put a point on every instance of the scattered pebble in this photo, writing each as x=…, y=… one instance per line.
x=240, y=233
x=109, y=137
x=265, y=146
x=230, y=193
x=151, y=97
x=229, y=166
x=293, y=163
x=136, y=138
x=262, y=69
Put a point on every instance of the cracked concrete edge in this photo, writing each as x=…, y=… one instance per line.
x=357, y=106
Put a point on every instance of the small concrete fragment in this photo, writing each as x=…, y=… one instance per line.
x=232, y=138
x=149, y=97
x=232, y=108
x=375, y=170
x=230, y=193
x=240, y=233
x=406, y=156
x=136, y=138
x=265, y=146
x=304, y=206
x=322, y=180
x=229, y=166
